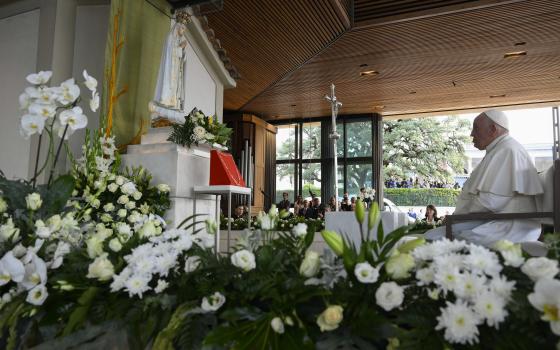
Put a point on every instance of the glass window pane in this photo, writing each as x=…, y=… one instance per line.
x=286, y=142
x=284, y=181
x=359, y=175
x=311, y=140
x=340, y=142
x=340, y=181
x=311, y=180
x=359, y=140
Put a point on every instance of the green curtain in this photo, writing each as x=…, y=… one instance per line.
x=143, y=27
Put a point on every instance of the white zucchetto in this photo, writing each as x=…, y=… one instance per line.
x=498, y=117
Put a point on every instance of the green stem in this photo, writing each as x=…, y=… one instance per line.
x=57, y=154
x=37, y=160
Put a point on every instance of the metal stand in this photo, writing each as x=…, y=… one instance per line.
x=218, y=191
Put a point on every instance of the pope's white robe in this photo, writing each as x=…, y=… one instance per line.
x=505, y=181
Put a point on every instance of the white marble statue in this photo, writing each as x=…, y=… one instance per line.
x=505, y=181
x=168, y=102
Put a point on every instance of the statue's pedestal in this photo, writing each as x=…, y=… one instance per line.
x=179, y=167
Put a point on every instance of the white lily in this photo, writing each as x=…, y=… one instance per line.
x=68, y=92
x=11, y=269
x=37, y=295
x=31, y=124
x=40, y=78
x=90, y=82
x=74, y=118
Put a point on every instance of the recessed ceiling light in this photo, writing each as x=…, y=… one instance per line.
x=412, y=92
x=363, y=65
x=515, y=54
x=497, y=96
x=292, y=105
x=368, y=73
x=378, y=107
x=521, y=43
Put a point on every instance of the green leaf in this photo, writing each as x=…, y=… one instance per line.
x=78, y=316
x=56, y=196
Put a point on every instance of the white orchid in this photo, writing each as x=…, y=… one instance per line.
x=35, y=272
x=11, y=269
x=94, y=101
x=90, y=82
x=31, y=124
x=74, y=118
x=44, y=110
x=40, y=78
x=24, y=101
x=68, y=92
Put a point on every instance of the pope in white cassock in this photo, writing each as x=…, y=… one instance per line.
x=505, y=181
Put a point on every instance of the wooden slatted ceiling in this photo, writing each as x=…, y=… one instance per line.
x=428, y=56
x=267, y=39
x=365, y=10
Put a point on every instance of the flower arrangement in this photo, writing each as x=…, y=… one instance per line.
x=200, y=129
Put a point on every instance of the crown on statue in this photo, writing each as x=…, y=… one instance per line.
x=182, y=16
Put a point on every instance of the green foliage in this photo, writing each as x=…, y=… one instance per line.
x=430, y=148
x=282, y=224
x=188, y=133
x=440, y=197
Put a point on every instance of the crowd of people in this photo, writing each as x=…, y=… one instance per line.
x=417, y=183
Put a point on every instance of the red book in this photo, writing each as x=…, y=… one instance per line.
x=223, y=170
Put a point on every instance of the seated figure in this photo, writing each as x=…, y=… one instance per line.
x=505, y=181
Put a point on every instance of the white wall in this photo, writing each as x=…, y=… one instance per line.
x=18, y=58
x=200, y=87
x=92, y=23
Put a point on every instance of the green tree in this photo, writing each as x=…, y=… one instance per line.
x=430, y=148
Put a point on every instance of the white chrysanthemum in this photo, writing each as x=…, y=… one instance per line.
x=161, y=286
x=365, y=273
x=120, y=279
x=460, y=323
x=199, y=133
x=546, y=298
x=501, y=286
x=447, y=277
x=537, y=268
x=469, y=285
x=425, y=276
x=213, y=302
x=137, y=285
x=491, y=307
x=37, y=295
x=482, y=260
x=389, y=295
x=243, y=259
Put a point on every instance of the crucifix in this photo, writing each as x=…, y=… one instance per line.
x=334, y=136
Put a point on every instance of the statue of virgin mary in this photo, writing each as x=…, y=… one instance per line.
x=169, y=95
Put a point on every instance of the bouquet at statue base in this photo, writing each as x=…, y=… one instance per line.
x=200, y=129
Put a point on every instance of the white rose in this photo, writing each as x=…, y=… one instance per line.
x=164, y=188
x=124, y=229
x=213, y=302
x=277, y=325
x=96, y=203
x=109, y=207
x=33, y=201
x=3, y=205
x=115, y=245
x=191, y=263
x=365, y=273
x=399, y=266
x=122, y=213
x=113, y=187
x=389, y=295
x=300, y=229
x=8, y=230
x=101, y=268
x=537, y=268
x=330, y=318
x=310, y=264
x=137, y=195
x=106, y=217
x=94, y=246
x=128, y=188
x=123, y=199
x=148, y=230
x=120, y=180
x=42, y=231
x=54, y=223
x=130, y=205
x=243, y=259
